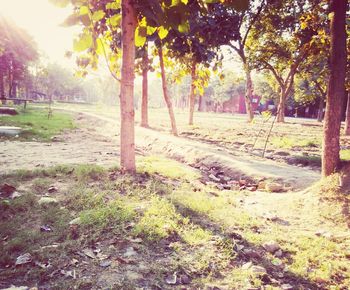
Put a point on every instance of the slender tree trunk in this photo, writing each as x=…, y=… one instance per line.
x=320, y=111
x=165, y=92
x=200, y=103
x=2, y=85
x=144, y=107
x=127, y=128
x=336, y=89
x=249, y=93
x=14, y=90
x=347, y=120
x=192, y=98
x=10, y=83
x=281, y=107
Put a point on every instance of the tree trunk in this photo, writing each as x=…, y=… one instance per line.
x=336, y=89
x=347, y=120
x=2, y=85
x=165, y=92
x=127, y=128
x=144, y=107
x=201, y=103
x=249, y=94
x=320, y=111
x=281, y=107
x=192, y=98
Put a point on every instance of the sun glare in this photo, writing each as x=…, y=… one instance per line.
x=42, y=21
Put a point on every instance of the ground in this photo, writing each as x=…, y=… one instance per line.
x=194, y=223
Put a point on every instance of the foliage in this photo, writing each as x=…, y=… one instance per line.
x=17, y=52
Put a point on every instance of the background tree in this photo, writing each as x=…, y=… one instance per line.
x=247, y=20
x=17, y=52
x=285, y=41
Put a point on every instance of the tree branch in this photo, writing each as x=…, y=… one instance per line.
x=274, y=72
x=256, y=16
x=108, y=65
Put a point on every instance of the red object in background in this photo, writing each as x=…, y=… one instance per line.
x=237, y=104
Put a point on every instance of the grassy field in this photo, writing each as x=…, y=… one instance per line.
x=160, y=229
x=36, y=124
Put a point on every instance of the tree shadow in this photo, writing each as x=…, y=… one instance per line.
x=256, y=255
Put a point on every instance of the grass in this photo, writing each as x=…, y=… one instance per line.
x=179, y=229
x=286, y=142
x=36, y=125
x=167, y=168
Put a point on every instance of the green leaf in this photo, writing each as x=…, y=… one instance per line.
x=151, y=30
x=184, y=27
x=140, y=37
x=83, y=43
x=113, y=5
x=115, y=20
x=98, y=15
x=84, y=10
x=162, y=32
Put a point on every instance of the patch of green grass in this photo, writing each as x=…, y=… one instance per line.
x=195, y=235
x=89, y=172
x=80, y=172
x=159, y=221
x=36, y=124
x=316, y=258
x=167, y=167
x=288, y=143
x=218, y=209
x=112, y=215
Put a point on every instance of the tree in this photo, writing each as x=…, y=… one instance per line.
x=336, y=88
x=127, y=127
x=17, y=52
x=165, y=90
x=145, y=69
x=247, y=20
x=311, y=85
x=196, y=45
x=139, y=19
x=285, y=41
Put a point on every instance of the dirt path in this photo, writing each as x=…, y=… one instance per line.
x=96, y=142
x=83, y=145
x=237, y=164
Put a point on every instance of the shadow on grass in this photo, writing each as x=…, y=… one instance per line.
x=255, y=254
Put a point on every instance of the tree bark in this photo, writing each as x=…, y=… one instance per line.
x=200, y=103
x=249, y=94
x=144, y=106
x=165, y=92
x=2, y=85
x=127, y=128
x=192, y=98
x=336, y=89
x=347, y=120
x=320, y=111
x=281, y=107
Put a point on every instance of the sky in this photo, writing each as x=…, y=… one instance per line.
x=42, y=20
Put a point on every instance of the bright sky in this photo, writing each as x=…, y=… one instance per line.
x=42, y=20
